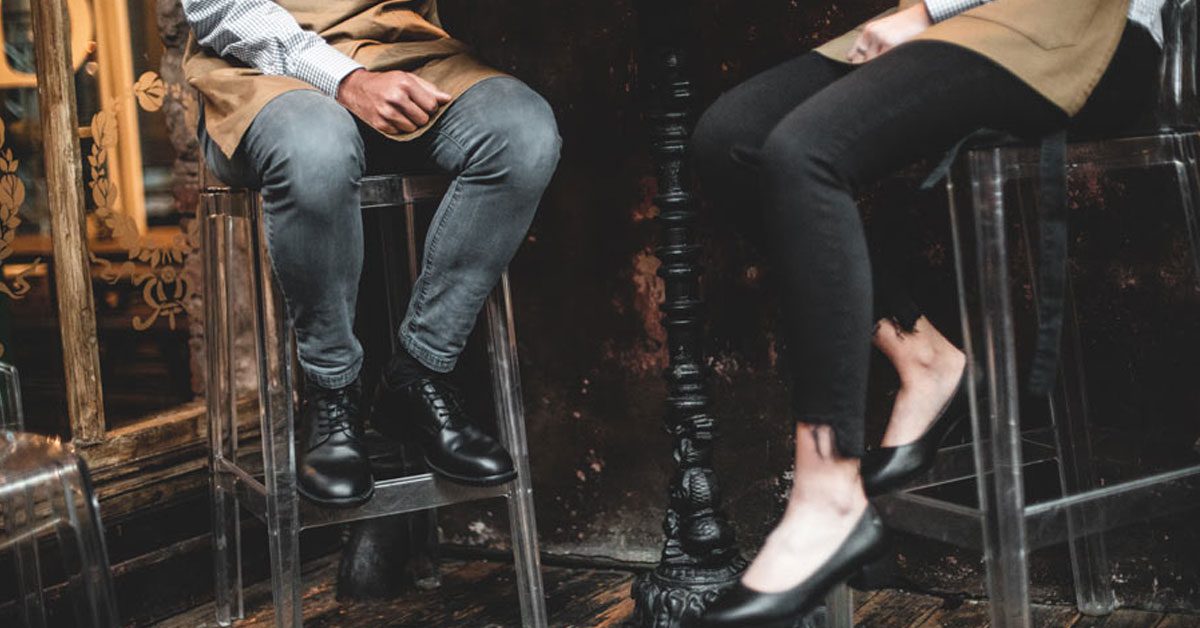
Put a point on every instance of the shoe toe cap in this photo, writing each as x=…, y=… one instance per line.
x=344, y=480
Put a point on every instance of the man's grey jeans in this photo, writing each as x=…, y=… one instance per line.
x=308, y=155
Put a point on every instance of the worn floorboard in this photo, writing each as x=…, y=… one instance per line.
x=895, y=609
x=482, y=594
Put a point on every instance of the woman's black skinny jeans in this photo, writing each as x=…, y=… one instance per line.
x=793, y=144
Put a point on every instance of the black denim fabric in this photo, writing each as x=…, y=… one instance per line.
x=787, y=150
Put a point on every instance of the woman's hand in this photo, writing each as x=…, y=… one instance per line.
x=888, y=32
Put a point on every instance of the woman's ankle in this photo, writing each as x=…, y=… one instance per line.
x=920, y=355
x=824, y=478
x=844, y=504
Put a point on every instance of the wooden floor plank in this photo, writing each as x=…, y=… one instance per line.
x=861, y=597
x=580, y=601
x=482, y=594
x=969, y=614
x=1179, y=621
x=614, y=607
x=1054, y=616
x=1121, y=618
x=895, y=609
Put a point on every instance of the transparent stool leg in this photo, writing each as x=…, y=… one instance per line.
x=19, y=524
x=12, y=415
x=1068, y=411
x=217, y=237
x=1089, y=554
x=81, y=547
x=510, y=411
x=279, y=454
x=397, y=300
x=1187, y=148
x=996, y=426
x=839, y=607
x=101, y=593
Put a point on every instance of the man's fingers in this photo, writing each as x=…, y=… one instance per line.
x=413, y=112
x=409, y=88
x=423, y=98
x=382, y=125
x=442, y=97
x=399, y=119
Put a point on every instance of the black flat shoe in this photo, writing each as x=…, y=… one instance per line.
x=740, y=606
x=333, y=468
x=888, y=468
x=428, y=412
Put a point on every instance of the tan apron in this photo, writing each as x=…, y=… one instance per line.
x=380, y=34
x=1061, y=48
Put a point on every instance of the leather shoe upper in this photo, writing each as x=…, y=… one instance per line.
x=430, y=412
x=333, y=467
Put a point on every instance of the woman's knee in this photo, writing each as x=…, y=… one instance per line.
x=713, y=138
x=800, y=159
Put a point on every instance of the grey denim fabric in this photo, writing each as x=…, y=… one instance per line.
x=307, y=155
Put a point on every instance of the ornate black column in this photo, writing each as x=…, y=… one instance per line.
x=699, y=557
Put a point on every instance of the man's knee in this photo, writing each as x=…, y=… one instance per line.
x=308, y=146
x=521, y=135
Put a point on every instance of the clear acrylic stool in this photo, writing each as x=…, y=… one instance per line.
x=236, y=259
x=45, y=490
x=1002, y=524
x=12, y=415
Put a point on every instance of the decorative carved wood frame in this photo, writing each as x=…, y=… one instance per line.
x=165, y=447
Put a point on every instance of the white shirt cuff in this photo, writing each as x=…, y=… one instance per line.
x=940, y=10
x=323, y=66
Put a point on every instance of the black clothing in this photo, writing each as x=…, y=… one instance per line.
x=790, y=147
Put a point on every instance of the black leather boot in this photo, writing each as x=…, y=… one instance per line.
x=429, y=413
x=333, y=467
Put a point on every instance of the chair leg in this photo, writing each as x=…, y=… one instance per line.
x=1069, y=414
x=18, y=511
x=423, y=525
x=279, y=454
x=81, y=545
x=1089, y=555
x=95, y=572
x=996, y=427
x=216, y=227
x=510, y=411
x=839, y=607
x=1187, y=148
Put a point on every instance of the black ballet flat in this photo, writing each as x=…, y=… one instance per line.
x=743, y=607
x=888, y=468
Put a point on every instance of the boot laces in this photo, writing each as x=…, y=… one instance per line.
x=334, y=415
x=445, y=399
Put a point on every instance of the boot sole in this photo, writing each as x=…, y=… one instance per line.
x=488, y=480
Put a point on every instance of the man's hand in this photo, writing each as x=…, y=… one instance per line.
x=888, y=32
x=391, y=102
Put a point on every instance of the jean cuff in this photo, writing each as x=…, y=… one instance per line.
x=329, y=379
x=430, y=358
x=847, y=431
